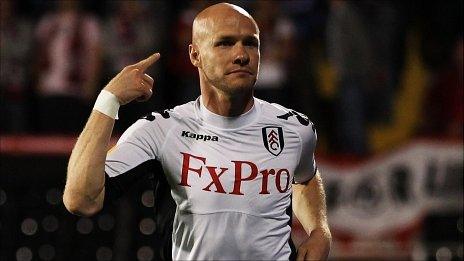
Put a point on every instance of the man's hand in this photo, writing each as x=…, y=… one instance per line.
x=132, y=82
x=316, y=247
x=85, y=183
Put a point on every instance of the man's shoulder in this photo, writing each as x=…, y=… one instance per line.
x=183, y=111
x=281, y=115
x=166, y=117
x=186, y=110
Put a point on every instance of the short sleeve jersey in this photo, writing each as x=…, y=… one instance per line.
x=230, y=177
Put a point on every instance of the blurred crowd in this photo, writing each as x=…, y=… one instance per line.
x=339, y=62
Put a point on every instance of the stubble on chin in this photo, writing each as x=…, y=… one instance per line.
x=231, y=87
x=237, y=87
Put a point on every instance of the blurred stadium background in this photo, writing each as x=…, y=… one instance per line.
x=381, y=80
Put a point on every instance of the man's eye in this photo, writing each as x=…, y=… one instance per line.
x=251, y=43
x=224, y=43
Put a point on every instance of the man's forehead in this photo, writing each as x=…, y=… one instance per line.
x=232, y=25
x=224, y=19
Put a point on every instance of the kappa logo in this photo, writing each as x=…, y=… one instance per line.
x=196, y=136
x=273, y=139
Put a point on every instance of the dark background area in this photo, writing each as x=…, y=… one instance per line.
x=373, y=76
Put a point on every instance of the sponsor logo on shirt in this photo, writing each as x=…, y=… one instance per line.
x=273, y=139
x=196, y=136
x=242, y=171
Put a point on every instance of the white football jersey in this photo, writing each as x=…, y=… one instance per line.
x=231, y=177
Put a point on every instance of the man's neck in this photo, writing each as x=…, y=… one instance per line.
x=225, y=104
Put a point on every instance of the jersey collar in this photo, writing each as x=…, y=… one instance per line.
x=223, y=122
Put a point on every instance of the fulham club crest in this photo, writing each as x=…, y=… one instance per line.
x=273, y=139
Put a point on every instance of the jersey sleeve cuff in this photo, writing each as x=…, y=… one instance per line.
x=307, y=179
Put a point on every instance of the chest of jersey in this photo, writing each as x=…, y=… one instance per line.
x=248, y=170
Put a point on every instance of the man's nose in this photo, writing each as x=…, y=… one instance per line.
x=241, y=55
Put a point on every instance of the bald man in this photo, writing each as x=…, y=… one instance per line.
x=234, y=163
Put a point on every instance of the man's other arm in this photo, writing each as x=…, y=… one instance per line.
x=85, y=183
x=310, y=208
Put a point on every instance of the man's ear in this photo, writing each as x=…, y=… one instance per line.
x=194, y=55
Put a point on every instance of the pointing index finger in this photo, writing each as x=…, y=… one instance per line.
x=144, y=64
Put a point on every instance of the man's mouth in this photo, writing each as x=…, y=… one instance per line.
x=240, y=71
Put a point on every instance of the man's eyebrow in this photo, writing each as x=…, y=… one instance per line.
x=252, y=38
x=234, y=38
x=226, y=38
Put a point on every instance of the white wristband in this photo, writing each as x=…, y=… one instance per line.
x=108, y=104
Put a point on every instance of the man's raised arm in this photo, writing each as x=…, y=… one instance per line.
x=85, y=183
